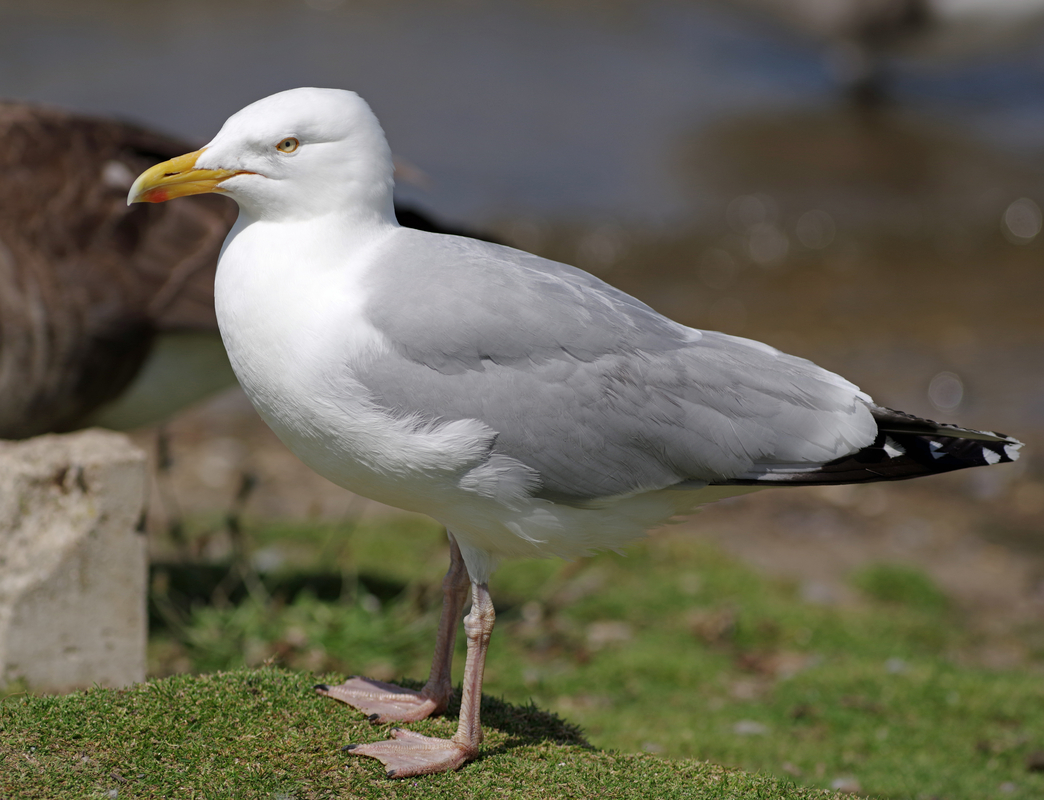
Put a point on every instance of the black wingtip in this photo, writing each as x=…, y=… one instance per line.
x=894, y=456
x=348, y=748
x=891, y=421
x=321, y=687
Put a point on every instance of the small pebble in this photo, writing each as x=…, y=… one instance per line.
x=846, y=784
x=749, y=727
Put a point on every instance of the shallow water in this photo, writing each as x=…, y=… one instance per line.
x=699, y=156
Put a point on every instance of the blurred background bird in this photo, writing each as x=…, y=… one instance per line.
x=106, y=312
x=862, y=36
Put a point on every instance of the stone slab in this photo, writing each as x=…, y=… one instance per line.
x=73, y=561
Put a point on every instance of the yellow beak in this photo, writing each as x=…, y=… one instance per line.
x=176, y=178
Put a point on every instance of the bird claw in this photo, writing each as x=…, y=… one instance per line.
x=409, y=754
x=383, y=702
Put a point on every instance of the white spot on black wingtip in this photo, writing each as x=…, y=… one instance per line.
x=893, y=448
x=1012, y=451
x=936, y=449
x=990, y=456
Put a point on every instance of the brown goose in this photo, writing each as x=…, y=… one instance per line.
x=92, y=292
x=106, y=311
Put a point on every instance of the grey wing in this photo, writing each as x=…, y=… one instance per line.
x=592, y=389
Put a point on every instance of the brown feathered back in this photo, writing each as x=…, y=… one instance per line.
x=86, y=282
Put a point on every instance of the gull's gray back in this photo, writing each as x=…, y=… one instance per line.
x=589, y=387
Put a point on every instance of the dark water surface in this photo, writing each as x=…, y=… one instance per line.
x=699, y=157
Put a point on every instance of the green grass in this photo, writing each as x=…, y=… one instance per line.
x=264, y=733
x=902, y=585
x=675, y=650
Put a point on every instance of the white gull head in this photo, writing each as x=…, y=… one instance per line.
x=296, y=155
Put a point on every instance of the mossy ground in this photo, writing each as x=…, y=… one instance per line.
x=670, y=660
x=263, y=733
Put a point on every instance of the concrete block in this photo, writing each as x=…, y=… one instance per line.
x=73, y=563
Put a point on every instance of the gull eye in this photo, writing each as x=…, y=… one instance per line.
x=288, y=145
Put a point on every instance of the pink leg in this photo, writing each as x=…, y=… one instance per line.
x=409, y=754
x=385, y=702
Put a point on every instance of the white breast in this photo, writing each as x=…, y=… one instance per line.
x=291, y=317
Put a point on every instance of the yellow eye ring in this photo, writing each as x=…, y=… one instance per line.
x=288, y=145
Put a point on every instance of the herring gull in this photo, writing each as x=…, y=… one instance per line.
x=529, y=407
